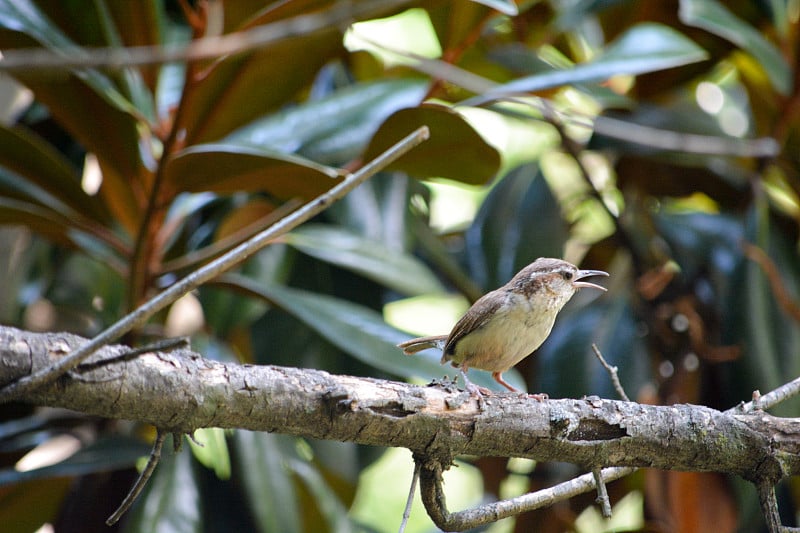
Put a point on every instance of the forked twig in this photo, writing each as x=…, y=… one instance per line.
x=613, y=372
x=211, y=270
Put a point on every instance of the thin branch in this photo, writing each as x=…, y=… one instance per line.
x=612, y=372
x=757, y=255
x=770, y=399
x=77, y=57
x=435, y=502
x=211, y=270
x=411, y=491
x=602, y=492
x=144, y=477
x=769, y=508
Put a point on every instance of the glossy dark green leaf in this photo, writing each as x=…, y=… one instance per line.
x=361, y=332
x=367, y=257
x=518, y=221
x=41, y=220
x=454, y=151
x=647, y=47
x=171, y=501
x=33, y=159
x=242, y=86
x=25, y=17
x=714, y=17
x=334, y=129
x=225, y=168
x=270, y=489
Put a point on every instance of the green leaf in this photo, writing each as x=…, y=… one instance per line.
x=333, y=129
x=518, y=221
x=242, y=86
x=225, y=168
x=454, y=151
x=270, y=490
x=361, y=332
x=369, y=258
x=31, y=158
x=647, y=47
x=715, y=18
x=213, y=453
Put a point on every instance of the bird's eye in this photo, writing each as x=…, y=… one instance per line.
x=566, y=274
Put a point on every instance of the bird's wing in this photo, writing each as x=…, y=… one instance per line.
x=472, y=321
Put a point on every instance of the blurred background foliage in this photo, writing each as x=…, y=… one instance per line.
x=657, y=140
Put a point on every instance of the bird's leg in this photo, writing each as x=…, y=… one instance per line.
x=498, y=377
x=473, y=389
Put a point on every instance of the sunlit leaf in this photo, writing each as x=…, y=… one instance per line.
x=647, y=47
x=228, y=168
x=714, y=17
x=454, y=151
x=371, y=259
x=212, y=451
x=361, y=332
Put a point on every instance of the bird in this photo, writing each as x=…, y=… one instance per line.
x=507, y=324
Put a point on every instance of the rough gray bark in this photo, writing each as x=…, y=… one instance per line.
x=180, y=391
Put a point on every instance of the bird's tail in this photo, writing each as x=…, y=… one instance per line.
x=413, y=346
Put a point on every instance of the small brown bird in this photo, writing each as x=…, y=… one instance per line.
x=508, y=324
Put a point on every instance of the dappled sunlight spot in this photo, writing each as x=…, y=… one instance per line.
x=453, y=206
x=92, y=175
x=410, y=31
x=709, y=97
x=733, y=121
x=433, y=314
x=185, y=317
x=49, y=452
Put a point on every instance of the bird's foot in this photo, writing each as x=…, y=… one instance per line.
x=539, y=396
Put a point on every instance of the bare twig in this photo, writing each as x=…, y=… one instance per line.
x=141, y=481
x=612, y=372
x=434, y=499
x=211, y=270
x=77, y=57
x=759, y=256
x=770, y=399
x=602, y=492
x=411, y=491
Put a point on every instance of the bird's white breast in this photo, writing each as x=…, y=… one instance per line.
x=516, y=329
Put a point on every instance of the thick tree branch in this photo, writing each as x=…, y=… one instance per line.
x=180, y=391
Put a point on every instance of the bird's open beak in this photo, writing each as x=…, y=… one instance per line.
x=585, y=274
